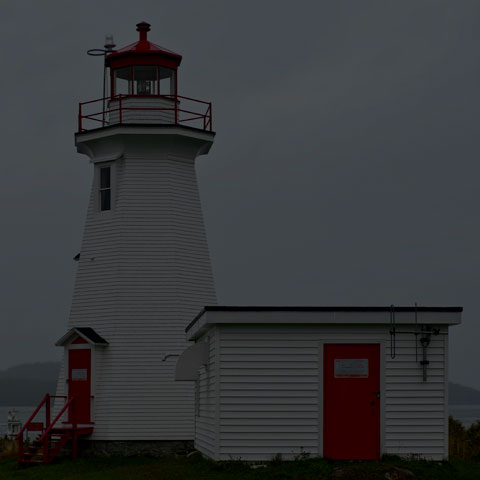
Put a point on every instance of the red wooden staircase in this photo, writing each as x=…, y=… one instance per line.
x=52, y=437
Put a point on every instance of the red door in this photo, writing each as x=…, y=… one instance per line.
x=79, y=375
x=351, y=407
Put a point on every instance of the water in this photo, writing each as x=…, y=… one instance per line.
x=23, y=415
x=467, y=414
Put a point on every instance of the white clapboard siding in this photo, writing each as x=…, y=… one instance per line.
x=144, y=273
x=205, y=415
x=270, y=392
x=416, y=418
x=58, y=403
x=142, y=110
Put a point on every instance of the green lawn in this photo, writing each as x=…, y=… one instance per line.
x=197, y=468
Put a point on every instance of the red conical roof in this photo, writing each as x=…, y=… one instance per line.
x=143, y=52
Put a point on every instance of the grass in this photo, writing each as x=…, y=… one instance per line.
x=198, y=468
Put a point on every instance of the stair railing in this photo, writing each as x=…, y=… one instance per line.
x=19, y=437
x=47, y=402
x=44, y=437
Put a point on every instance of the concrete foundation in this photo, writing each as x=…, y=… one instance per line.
x=129, y=448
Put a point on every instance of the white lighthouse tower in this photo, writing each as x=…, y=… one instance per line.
x=144, y=269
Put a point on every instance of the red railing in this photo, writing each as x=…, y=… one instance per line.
x=114, y=111
x=44, y=438
x=31, y=426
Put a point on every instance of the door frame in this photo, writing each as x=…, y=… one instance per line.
x=354, y=341
x=82, y=346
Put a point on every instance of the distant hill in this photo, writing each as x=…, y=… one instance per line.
x=462, y=395
x=27, y=384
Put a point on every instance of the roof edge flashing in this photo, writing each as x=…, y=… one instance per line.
x=211, y=315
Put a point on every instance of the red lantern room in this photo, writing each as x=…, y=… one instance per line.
x=143, y=68
x=143, y=89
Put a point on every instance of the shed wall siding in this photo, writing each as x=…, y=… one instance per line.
x=143, y=274
x=205, y=412
x=415, y=412
x=271, y=390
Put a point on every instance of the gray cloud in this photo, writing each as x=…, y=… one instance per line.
x=344, y=171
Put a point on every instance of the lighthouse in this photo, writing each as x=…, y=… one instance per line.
x=144, y=268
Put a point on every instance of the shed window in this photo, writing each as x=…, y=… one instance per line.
x=105, y=189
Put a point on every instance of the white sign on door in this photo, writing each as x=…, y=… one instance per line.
x=351, y=368
x=79, y=374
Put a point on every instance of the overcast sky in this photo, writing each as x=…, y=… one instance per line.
x=345, y=169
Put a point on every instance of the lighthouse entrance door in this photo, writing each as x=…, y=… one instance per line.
x=79, y=383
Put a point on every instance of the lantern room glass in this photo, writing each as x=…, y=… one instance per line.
x=122, y=81
x=168, y=81
x=145, y=80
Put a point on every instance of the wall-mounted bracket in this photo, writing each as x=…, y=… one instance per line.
x=425, y=332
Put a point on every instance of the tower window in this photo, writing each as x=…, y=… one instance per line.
x=105, y=189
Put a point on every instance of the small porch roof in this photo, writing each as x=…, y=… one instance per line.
x=87, y=333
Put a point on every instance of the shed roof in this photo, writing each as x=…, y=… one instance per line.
x=378, y=315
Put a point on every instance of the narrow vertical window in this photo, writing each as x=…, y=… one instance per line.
x=105, y=189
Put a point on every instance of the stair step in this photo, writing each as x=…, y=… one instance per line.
x=50, y=437
x=36, y=451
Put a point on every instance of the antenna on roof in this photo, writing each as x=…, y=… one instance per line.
x=98, y=52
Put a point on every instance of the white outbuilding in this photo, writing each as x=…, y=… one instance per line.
x=337, y=382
